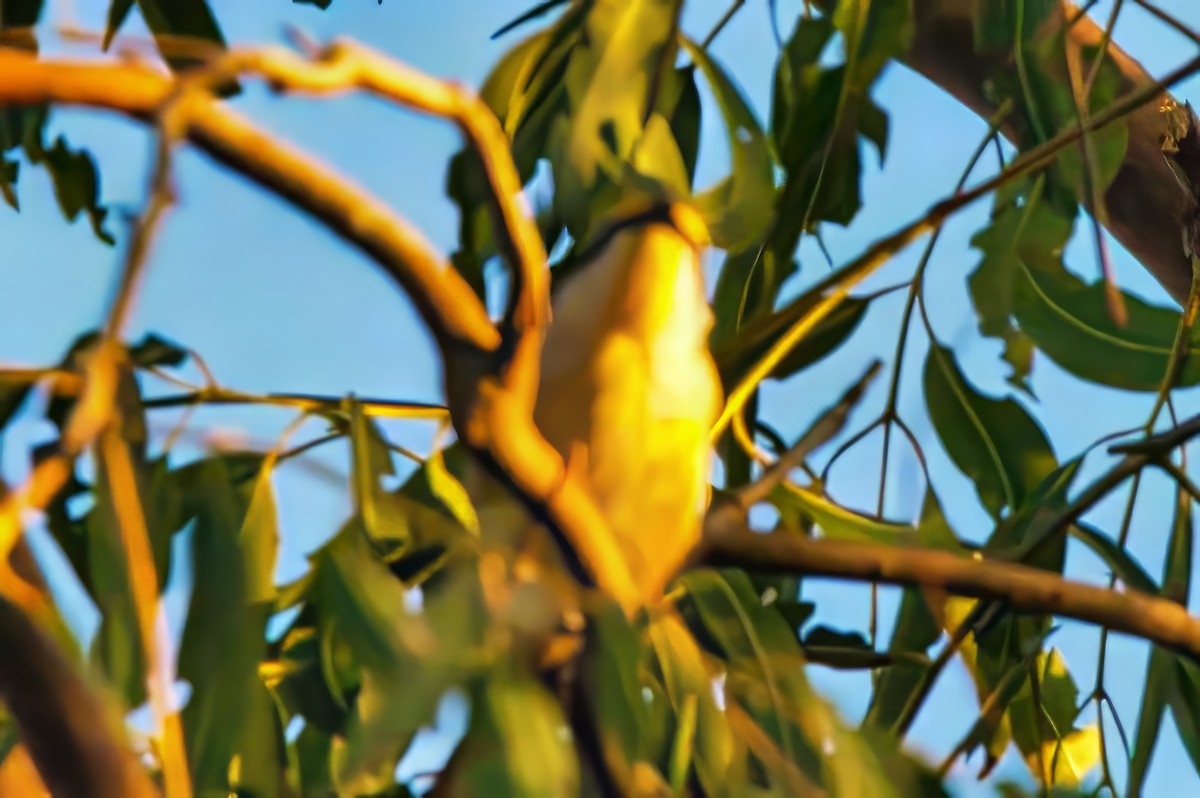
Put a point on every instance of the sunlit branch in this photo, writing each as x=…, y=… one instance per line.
x=1020, y=587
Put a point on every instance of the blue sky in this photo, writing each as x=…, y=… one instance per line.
x=274, y=303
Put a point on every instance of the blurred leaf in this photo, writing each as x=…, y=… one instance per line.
x=738, y=209
x=405, y=667
x=312, y=749
x=154, y=350
x=514, y=746
x=747, y=288
x=610, y=81
x=72, y=172
x=1184, y=701
x=681, y=96
x=224, y=639
x=994, y=442
x=686, y=679
x=175, y=21
x=612, y=684
x=917, y=627
x=118, y=12
x=1177, y=571
x=766, y=655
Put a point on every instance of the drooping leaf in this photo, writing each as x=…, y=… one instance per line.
x=1069, y=321
x=224, y=639
x=1122, y=563
x=917, y=627
x=993, y=441
x=819, y=112
x=738, y=209
x=686, y=680
x=614, y=693
x=748, y=287
x=72, y=172
x=540, y=9
x=514, y=745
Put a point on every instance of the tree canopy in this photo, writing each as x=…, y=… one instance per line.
x=321, y=685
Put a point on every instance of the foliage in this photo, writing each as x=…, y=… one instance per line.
x=321, y=686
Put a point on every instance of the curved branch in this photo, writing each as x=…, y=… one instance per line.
x=1021, y=587
x=450, y=308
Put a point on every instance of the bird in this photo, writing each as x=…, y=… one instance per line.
x=628, y=395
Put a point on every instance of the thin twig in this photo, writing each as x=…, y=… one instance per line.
x=828, y=425
x=312, y=403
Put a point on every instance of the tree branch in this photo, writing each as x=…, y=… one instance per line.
x=490, y=388
x=443, y=298
x=70, y=736
x=1026, y=589
x=1147, y=208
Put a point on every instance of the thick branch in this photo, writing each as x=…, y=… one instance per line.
x=1146, y=206
x=70, y=736
x=443, y=298
x=1023, y=588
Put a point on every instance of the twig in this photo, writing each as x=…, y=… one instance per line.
x=729, y=14
x=312, y=403
x=826, y=427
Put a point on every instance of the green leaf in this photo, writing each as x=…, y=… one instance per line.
x=72, y=172
x=1017, y=233
x=1184, y=701
x=540, y=9
x=224, y=639
x=514, y=746
x=1177, y=573
x=1069, y=321
x=738, y=209
x=992, y=441
x=838, y=522
x=1160, y=682
x=747, y=288
x=818, y=113
x=738, y=355
x=405, y=667
x=609, y=82
x=1118, y=559
x=614, y=692
x=687, y=680
x=118, y=12
x=916, y=628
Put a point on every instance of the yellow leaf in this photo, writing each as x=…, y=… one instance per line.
x=1068, y=761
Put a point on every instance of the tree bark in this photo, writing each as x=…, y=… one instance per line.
x=1147, y=208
